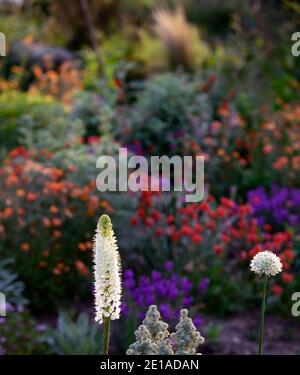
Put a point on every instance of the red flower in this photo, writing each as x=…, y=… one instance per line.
x=218, y=249
x=170, y=219
x=31, y=197
x=196, y=239
x=198, y=228
x=159, y=232
x=141, y=213
x=287, y=278
x=149, y=222
x=225, y=238
x=156, y=215
x=267, y=227
x=186, y=230
x=289, y=254
x=277, y=290
x=133, y=221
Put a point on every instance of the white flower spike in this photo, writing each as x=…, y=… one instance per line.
x=107, y=272
x=266, y=263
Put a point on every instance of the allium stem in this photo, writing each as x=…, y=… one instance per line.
x=262, y=317
x=106, y=332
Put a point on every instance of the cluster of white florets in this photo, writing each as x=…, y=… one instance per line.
x=107, y=272
x=266, y=263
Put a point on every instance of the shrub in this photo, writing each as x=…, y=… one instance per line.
x=45, y=224
x=21, y=334
x=14, y=105
x=162, y=119
x=10, y=285
x=180, y=39
x=75, y=337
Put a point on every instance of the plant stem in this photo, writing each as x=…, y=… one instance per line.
x=106, y=329
x=262, y=317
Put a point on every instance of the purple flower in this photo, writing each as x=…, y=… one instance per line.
x=187, y=301
x=279, y=207
x=128, y=279
x=41, y=327
x=203, y=285
x=165, y=311
x=169, y=265
x=198, y=321
x=169, y=292
x=186, y=285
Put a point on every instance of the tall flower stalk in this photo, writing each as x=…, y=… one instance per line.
x=265, y=264
x=262, y=316
x=107, y=277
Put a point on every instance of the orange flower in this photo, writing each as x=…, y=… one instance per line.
x=56, y=222
x=12, y=180
x=56, y=271
x=90, y=211
x=46, y=222
x=57, y=234
x=8, y=212
x=61, y=265
x=81, y=268
x=21, y=193
x=82, y=246
x=25, y=247
x=89, y=245
x=106, y=206
x=42, y=264
x=21, y=211
x=280, y=163
x=53, y=209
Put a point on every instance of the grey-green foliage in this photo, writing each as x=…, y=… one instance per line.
x=95, y=112
x=170, y=103
x=10, y=285
x=186, y=336
x=52, y=129
x=153, y=337
x=79, y=337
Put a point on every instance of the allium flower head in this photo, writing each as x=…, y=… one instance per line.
x=106, y=271
x=266, y=263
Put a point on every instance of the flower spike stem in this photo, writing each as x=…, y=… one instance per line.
x=262, y=316
x=106, y=329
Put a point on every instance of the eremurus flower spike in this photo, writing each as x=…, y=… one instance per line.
x=107, y=276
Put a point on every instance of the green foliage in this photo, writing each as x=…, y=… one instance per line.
x=10, y=285
x=76, y=337
x=49, y=129
x=162, y=116
x=22, y=335
x=13, y=106
x=95, y=113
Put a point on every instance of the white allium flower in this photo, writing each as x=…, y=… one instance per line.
x=107, y=272
x=266, y=263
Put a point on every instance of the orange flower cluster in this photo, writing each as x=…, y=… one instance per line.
x=46, y=219
x=279, y=139
x=61, y=84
